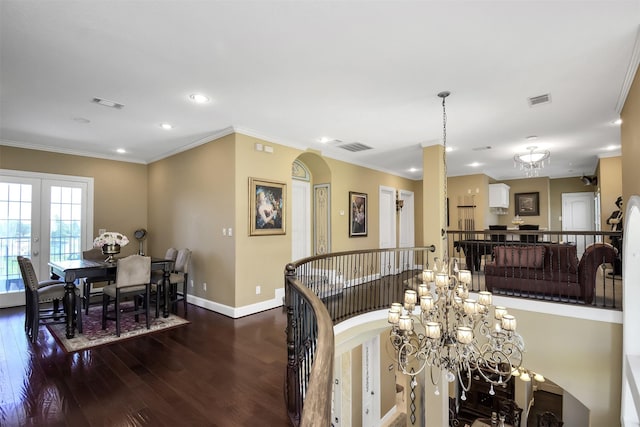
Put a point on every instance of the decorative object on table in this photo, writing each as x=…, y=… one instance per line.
x=267, y=207
x=140, y=234
x=456, y=334
x=357, y=214
x=517, y=220
x=532, y=161
x=527, y=204
x=111, y=242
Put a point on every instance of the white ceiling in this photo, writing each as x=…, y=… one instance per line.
x=294, y=71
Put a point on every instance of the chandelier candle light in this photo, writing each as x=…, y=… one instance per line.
x=441, y=327
x=532, y=162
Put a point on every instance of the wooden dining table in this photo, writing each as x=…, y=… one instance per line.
x=72, y=270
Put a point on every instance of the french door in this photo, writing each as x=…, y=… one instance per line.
x=44, y=217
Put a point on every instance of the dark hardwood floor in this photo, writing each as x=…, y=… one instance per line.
x=216, y=371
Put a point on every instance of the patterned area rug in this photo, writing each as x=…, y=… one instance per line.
x=93, y=335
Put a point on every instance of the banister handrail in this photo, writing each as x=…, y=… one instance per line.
x=317, y=409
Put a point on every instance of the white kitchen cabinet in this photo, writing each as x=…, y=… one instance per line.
x=499, y=195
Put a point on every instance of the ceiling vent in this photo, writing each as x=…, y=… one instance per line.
x=540, y=99
x=355, y=146
x=107, y=103
x=485, y=147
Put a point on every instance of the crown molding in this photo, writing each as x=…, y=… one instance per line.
x=631, y=73
x=69, y=151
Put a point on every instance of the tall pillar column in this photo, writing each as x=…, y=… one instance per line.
x=433, y=204
x=434, y=223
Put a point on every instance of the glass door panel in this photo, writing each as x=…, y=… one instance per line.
x=56, y=207
x=18, y=219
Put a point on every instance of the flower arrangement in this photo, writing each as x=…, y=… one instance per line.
x=110, y=238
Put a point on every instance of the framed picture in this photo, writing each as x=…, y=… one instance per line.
x=528, y=204
x=267, y=207
x=357, y=214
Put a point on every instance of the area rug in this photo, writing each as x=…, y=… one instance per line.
x=93, y=335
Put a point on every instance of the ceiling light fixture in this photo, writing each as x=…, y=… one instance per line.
x=107, y=103
x=532, y=162
x=166, y=126
x=456, y=334
x=199, y=98
x=121, y=150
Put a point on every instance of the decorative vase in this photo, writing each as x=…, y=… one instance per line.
x=110, y=251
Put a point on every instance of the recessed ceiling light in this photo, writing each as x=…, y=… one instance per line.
x=474, y=164
x=198, y=98
x=121, y=150
x=449, y=149
x=324, y=139
x=166, y=126
x=612, y=147
x=617, y=122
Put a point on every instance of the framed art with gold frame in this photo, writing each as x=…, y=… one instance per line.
x=267, y=207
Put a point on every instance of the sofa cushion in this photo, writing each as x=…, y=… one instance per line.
x=519, y=256
x=564, y=258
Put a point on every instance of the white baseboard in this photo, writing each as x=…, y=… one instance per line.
x=236, y=312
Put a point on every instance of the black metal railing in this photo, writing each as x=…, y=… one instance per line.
x=324, y=290
x=579, y=267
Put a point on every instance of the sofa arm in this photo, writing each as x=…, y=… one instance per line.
x=594, y=256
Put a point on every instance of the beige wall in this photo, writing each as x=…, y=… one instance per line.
x=583, y=357
x=121, y=188
x=190, y=201
x=528, y=185
x=468, y=190
x=610, y=186
x=630, y=135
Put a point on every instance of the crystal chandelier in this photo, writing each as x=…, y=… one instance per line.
x=440, y=327
x=532, y=162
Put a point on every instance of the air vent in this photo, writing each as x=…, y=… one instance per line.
x=540, y=99
x=356, y=146
x=107, y=103
x=486, y=147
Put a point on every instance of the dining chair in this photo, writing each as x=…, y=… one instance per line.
x=92, y=287
x=133, y=275
x=178, y=282
x=44, y=300
x=529, y=238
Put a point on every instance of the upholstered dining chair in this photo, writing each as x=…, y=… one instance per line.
x=92, y=287
x=133, y=275
x=44, y=300
x=178, y=281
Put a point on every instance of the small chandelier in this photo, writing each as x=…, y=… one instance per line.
x=532, y=162
x=440, y=327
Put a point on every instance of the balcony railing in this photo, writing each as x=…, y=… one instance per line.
x=324, y=290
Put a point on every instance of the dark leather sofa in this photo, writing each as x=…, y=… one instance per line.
x=547, y=270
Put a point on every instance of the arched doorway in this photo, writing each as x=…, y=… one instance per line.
x=311, y=206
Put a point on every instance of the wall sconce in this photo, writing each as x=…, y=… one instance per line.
x=399, y=202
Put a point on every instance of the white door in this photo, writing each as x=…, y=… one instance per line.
x=406, y=229
x=44, y=217
x=300, y=220
x=387, y=210
x=578, y=215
